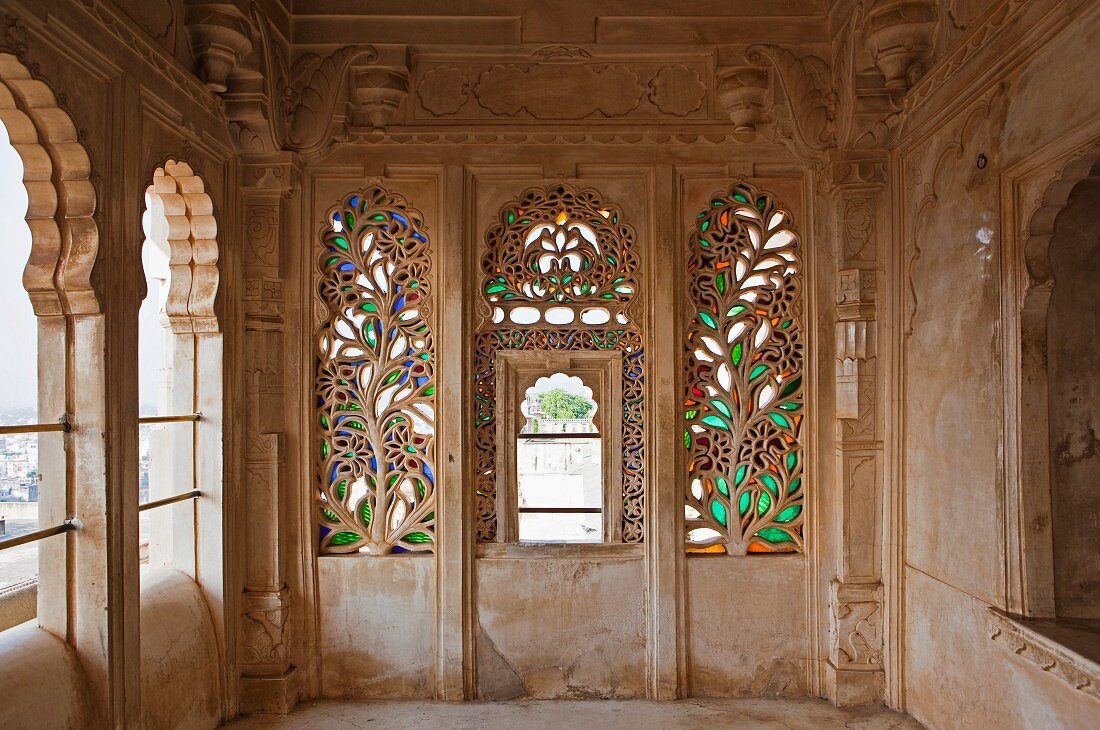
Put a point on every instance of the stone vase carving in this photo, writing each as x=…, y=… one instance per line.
x=899, y=39
x=220, y=37
x=378, y=92
x=742, y=90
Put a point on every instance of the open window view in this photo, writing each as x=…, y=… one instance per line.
x=559, y=463
x=19, y=444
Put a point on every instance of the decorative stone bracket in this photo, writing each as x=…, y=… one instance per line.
x=220, y=37
x=742, y=91
x=899, y=37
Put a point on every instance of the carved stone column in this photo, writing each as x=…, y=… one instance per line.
x=854, y=671
x=268, y=678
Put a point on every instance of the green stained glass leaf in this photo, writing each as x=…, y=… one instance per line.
x=719, y=511
x=792, y=460
x=723, y=486
x=716, y=422
x=739, y=479
x=341, y=490
x=743, y=503
x=329, y=515
x=365, y=513
x=774, y=534
x=708, y=320
x=737, y=354
x=722, y=407
x=763, y=504
x=344, y=538
x=769, y=481
x=757, y=372
x=418, y=538
x=687, y=439
x=720, y=282
x=791, y=387
x=779, y=420
x=789, y=514
x=734, y=311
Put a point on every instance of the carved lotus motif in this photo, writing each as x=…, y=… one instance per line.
x=677, y=90
x=443, y=91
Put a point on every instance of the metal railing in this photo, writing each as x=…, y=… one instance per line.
x=190, y=417
x=67, y=526
x=183, y=497
x=63, y=424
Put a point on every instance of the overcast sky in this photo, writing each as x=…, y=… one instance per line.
x=18, y=328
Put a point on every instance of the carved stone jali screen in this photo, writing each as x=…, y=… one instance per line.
x=560, y=272
x=375, y=384
x=743, y=366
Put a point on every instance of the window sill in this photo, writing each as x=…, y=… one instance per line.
x=561, y=550
x=1070, y=650
x=18, y=603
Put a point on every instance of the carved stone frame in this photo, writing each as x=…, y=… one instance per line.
x=516, y=372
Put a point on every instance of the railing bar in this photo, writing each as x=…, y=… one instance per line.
x=562, y=510
x=66, y=526
x=550, y=436
x=171, y=419
x=37, y=428
x=193, y=494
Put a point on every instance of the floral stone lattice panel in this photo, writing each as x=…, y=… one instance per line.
x=560, y=274
x=743, y=408
x=375, y=382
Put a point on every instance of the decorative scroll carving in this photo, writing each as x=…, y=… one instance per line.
x=742, y=90
x=807, y=83
x=61, y=198
x=264, y=618
x=375, y=381
x=565, y=259
x=856, y=626
x=743, y=364
x=899, y=38
x=179, y=195
x=220, y=36
x=1025, y=640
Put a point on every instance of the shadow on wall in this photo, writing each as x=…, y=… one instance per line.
x=41, y=677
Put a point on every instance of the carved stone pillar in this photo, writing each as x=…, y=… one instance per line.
x=268, y=678
x=854, y=671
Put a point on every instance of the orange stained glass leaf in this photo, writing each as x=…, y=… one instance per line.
x=708, y=549
x=758, y=548
x=725, y=218
x=722, y=265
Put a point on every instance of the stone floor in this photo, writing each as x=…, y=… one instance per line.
x=597, y=715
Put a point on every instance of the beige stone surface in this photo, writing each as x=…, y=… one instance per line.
x=43, y=683
x=746, y=626
x=377, y=626
x=804, y=714
x=560, y=628
x=179, y=654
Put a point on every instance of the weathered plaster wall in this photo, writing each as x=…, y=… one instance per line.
x=571, y=627
x=746, y=626
x=42, y=679
x=1073, y=361
x=180, y=661
x=377, y=626
x=954, y=445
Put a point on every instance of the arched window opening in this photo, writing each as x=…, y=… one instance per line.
x=559, y=463
x=560, y=281
x=743, y=364
x=375, y=383
x=179, y=366
x=1073, y=405
x=19, y=480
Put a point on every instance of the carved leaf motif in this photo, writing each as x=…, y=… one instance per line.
x=807, y=83
x=559, y=90
x=443, y=90
x=677, y=90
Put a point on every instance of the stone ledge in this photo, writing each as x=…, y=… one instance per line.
x=1026, y=639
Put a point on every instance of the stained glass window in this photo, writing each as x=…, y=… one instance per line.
x=560, y=273
x=743, y=408
x=375, y=384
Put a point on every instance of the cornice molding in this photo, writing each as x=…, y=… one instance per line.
x=1027, y=642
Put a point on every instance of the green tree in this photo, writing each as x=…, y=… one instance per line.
x=560, y=404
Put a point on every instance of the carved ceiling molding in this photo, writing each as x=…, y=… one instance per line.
x=562, y=84
x=1027, y=642
x=549, y=137
x=132, y=36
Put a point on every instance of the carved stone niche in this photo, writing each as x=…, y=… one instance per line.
x=220, y=37
x=742, y=91
x=899, y=37
x=376, y=93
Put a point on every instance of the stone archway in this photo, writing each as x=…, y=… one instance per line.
x=1035, y=527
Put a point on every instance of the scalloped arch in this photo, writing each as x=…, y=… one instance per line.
x=179, y=195
x=61, y=198
x=1036, y=250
